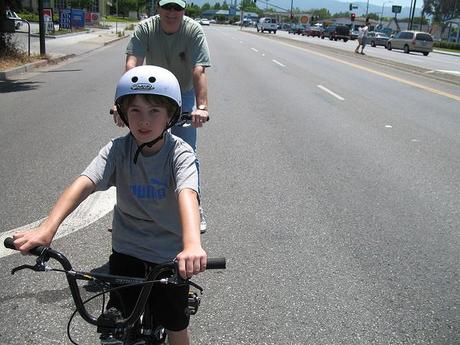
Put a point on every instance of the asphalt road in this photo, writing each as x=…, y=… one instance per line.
x=330, y=184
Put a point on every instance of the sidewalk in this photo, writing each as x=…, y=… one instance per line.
x=65, y=47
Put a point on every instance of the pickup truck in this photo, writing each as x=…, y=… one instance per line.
x=267, y=24
x=336, y=32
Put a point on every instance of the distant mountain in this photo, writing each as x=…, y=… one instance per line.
x=332, y=5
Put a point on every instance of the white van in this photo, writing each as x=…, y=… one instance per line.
x=267, y=24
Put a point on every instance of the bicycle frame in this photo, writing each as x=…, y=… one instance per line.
x=116, y=323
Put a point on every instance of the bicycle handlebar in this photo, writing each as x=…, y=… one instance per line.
x=184, y=116
x=45, y=253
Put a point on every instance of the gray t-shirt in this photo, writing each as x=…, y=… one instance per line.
x=178, y=52
x=146, y=221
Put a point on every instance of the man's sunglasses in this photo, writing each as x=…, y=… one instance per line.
x=174, y=7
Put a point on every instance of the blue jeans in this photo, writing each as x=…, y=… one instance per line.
x=188, y=132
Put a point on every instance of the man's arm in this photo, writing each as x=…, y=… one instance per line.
x=133, y=61
x=73, y=196
x=200, y=84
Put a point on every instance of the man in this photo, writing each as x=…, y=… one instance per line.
x=177, y=43
x=362, y=37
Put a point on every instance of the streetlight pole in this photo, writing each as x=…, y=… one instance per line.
x=367, y=8
x=383, y=5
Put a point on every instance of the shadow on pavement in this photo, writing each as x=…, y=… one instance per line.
x=7, y=86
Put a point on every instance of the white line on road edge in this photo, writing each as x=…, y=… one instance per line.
x=254, y=49
x=96, y=206
x=331, y=93
x=449, y=72
x=279, y=63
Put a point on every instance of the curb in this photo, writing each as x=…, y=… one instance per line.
x=4, y=75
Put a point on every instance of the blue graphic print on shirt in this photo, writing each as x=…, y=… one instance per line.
x=155, y=191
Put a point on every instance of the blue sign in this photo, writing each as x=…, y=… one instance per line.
x=232, y=11
x=64, y=19
x=77, y=18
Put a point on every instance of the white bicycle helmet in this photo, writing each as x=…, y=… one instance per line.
x=149, y=80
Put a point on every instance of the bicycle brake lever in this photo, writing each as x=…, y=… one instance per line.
x=40, y=266
x=23, y=267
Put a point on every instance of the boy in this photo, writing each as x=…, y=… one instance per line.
x=156, y=217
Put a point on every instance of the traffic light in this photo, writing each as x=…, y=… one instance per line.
x=351, y=6
x=352, y=17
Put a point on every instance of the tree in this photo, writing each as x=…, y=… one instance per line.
x=442, y=10
x=217, y=6
x=206, y=6
x=373, y=16
x=322, y=13
x=224, y=6
x=193, y=10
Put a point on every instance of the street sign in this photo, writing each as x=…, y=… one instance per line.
x=304, y=19
x=396, y=9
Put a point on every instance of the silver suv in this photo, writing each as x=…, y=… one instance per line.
x=411, y=41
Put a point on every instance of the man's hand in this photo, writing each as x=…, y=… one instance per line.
x=199, y=117
x=116, y=118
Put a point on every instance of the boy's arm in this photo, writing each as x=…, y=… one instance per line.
x=192, y=259
x=78, y=191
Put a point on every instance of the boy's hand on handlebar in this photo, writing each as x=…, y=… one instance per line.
x=116, y=118
x=26, y=240
x=191, y=262
x=199, y=117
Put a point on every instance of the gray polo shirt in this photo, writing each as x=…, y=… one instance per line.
x=178, y=52
x=146, y=221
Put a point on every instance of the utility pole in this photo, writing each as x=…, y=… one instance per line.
x=412, y=16
x=367, y=8
x=41, y=21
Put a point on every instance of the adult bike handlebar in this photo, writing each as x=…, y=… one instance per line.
x=186, y=116
x=45, y=253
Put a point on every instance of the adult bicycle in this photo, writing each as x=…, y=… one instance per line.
x=115, y=329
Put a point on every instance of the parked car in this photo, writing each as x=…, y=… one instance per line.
x=297, y=29
x=204, y=21
x=336, y=32
x=377, y=39
x=267, y=24
x=13, y=16
x=354, y=35
x=411, y=41
x=312, y=31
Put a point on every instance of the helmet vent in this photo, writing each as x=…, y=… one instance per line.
x=134, y=79
x=152, y=79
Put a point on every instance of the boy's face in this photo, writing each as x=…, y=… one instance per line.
x=147, y=120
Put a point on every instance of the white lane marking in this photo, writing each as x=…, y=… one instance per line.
x=279, y=63
x=254, y=49
x=388, y=126
x=263, y=54
x=331, y=93
x=449, y=72
x=93, y=208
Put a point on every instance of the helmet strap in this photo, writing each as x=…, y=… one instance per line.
x=153, y=142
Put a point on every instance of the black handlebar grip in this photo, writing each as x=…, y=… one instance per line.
x=37, y=251
x=188, y=117
x=216, y=263
x=8, y=243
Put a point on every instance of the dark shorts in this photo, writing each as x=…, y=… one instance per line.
x=168, y=303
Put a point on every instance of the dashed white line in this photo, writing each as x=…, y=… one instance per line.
x=254, y=49
x=278, y=63
x=331, y=93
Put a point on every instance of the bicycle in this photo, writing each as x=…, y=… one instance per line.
x=112, y=326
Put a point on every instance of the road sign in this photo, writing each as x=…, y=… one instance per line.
x=396, y=9
x=304, y=19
